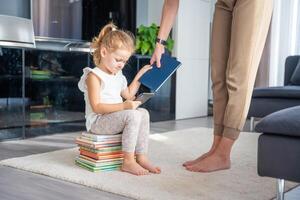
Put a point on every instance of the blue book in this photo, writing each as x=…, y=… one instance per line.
x=156, y=77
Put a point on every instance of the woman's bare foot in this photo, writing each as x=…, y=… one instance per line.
x=133, y=167
x=216, y=141
x=218, y=160
x=145, y=163
x=214, y=162
x=192, y=162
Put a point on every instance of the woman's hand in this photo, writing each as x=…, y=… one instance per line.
x=131, y=105
x=159, y=50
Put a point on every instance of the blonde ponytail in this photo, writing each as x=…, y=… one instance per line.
x=111, y=38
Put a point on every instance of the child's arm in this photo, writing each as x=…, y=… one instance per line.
x=131, y=90
x=94, y=87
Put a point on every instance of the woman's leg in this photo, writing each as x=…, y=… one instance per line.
x=250, y=25
x=220, y=45
x=143, y=142
x=127, y=122
x=221, y=33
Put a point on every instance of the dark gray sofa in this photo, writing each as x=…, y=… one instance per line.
x=271, y=99
x=279, y=147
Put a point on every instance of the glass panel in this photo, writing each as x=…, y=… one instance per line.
x=11, y=118
x=55, y=102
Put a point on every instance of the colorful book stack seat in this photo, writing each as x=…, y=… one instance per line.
x=99, y=152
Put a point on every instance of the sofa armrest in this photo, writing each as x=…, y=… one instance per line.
x=278, y=157
x=283, y=122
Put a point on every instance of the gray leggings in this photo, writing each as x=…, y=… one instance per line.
x=134, y=125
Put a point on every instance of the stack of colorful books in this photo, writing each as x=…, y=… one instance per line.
x=99, y=152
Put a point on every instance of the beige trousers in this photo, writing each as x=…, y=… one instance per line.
x=239, y=33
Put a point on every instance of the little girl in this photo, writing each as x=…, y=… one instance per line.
x=104, y=86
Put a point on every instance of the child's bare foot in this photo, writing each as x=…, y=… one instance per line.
x=144, y=162
x=133, y=167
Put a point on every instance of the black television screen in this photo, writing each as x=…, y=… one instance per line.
x=81, y=19
x=15, y=8
x=57, y=18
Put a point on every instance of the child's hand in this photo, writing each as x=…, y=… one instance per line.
x=131, y=105
x=144, y=69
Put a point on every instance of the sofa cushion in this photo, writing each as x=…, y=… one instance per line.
x=295, y=78
x=290, y=91
x=283, y=122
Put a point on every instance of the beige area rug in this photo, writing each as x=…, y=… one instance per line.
x=168, y=150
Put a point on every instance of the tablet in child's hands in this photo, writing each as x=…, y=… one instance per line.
x=143, y=97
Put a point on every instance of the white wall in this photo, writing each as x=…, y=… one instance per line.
x=191, y=35
x=141, y=12
x=148, y=12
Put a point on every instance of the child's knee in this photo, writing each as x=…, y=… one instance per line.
x=133, y=115
x=144, y=113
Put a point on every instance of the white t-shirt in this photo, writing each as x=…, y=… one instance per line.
x=111, y=88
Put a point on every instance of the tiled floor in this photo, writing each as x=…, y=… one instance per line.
x=20, y=185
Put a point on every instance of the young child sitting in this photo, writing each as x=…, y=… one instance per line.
x=105, y=112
